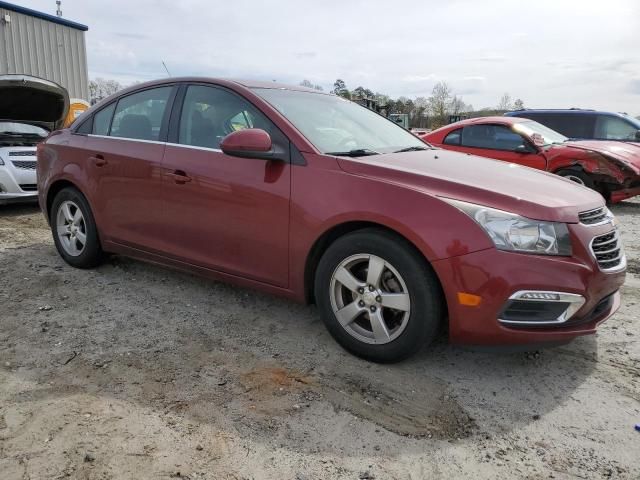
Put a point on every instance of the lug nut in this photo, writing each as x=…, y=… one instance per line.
x=360, y=290
x=373, y=309
x=361, y=303
x=371, y=289
x=378, y=299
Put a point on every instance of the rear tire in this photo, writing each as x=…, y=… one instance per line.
x=74, y=229
x=361, y=278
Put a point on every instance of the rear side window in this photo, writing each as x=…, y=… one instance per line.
x=494, y=137
x=453, y=138
x=614, y=128
x=140, y=115
x=209, y=114
x=572, y=125
x=102, y=120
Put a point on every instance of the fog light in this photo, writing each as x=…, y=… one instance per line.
x=554, y=297
x=539, y=308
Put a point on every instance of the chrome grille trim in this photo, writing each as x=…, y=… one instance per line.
x=25, y=164
x=23, y=153
x=608, y=251
x=597, y=216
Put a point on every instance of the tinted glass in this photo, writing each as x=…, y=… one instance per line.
x=102, y=120
x=140, y=115
x=209, y=114
x=334, y=124
x=495, y=137
x=453, y=138
x=614, y=128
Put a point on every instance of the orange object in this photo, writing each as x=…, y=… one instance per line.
x=469, y=299
x=76, y=108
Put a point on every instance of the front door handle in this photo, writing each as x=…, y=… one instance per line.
x=179, y=177
x=98, y=160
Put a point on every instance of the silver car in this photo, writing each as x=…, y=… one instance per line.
x=30, y=108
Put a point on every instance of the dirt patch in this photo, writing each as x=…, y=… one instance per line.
x=135, y=371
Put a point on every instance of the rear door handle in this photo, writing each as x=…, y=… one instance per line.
x=179, y=177
x=98, y=160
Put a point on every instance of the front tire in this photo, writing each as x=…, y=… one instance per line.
x=377, y=296
x=74, y=230
x=578, y=176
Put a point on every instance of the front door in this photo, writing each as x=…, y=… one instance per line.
x=227, y=213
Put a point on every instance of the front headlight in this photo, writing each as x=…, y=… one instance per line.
x=512, y=232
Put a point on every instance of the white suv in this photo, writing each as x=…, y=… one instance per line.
x=29, y=109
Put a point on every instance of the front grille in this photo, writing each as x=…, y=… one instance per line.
x=23, y=153
x=608, y=250
x=29, y=187
x=25, y=164
x=593, y=217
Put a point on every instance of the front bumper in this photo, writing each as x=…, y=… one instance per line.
x=18, y=177
x=616, y=196
x=495, y=276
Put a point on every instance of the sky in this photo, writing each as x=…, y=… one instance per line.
x=549, y=53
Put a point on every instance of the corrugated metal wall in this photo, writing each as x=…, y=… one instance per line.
x=32, y=46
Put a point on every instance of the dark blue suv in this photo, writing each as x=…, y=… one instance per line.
x=586, y=124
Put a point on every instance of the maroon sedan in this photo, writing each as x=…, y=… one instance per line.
x=611, y=168
x=316, y=198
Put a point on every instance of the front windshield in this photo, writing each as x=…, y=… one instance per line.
x=22, y=129
x=634, y=121
x=335, y=125
x=535, y=130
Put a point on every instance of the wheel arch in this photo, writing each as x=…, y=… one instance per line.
x=56, y=187
x=337, y=231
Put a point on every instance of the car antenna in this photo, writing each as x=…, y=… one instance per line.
x=165, y=67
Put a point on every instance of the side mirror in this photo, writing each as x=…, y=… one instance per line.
x=248, y=143
x=524, y=148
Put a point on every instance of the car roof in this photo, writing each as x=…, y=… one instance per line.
x=570, y=111
x=482, y=120
x=221, y=81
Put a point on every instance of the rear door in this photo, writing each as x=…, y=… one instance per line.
x=124, y=157
x=495, y=141
x=224, y=212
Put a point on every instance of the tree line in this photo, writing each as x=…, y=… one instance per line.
x=427, y=112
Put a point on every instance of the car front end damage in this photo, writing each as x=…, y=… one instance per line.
x=613, y=166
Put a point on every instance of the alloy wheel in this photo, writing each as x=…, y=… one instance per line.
x=71, y=228
x=370, y=299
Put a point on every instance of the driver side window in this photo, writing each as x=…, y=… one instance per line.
x=209, y=114
x=493, y=137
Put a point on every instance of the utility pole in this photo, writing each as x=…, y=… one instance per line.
x=59, y=10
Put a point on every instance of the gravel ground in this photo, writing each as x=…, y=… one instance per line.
x=136, y=371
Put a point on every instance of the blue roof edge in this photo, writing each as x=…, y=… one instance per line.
x=43, y=16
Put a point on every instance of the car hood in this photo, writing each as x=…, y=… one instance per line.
x=32, y=100
x=627, y=153
x=506, y=186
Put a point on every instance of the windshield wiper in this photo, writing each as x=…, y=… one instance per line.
x=356, y=152
x=412, y=149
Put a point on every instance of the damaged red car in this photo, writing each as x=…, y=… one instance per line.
x=610, y=168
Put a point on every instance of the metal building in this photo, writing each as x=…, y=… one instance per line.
x=45, y=46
